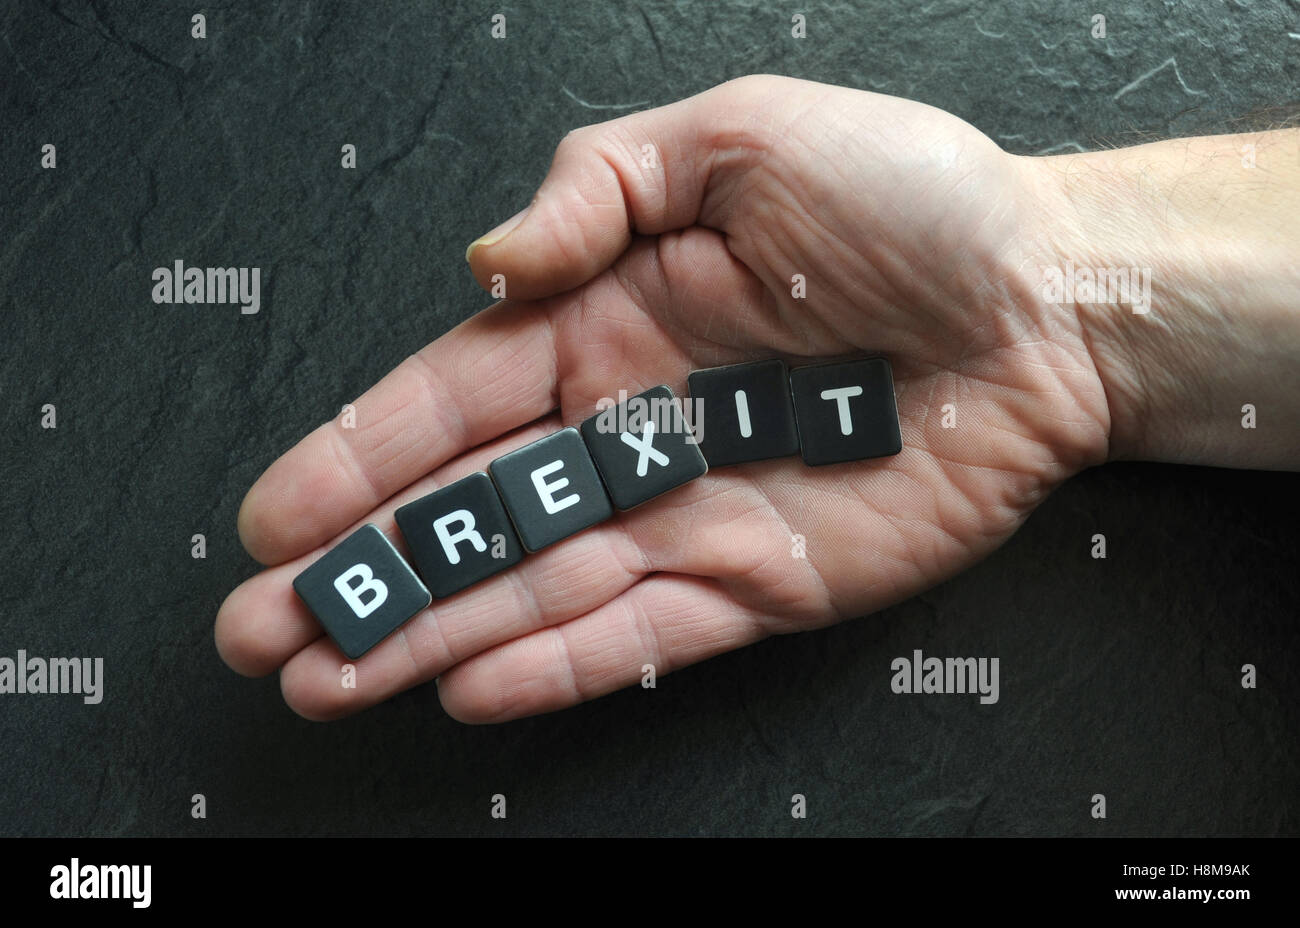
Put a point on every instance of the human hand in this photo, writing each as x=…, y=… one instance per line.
x=664, y=242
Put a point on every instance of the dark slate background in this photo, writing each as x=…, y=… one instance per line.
x=1118, y=676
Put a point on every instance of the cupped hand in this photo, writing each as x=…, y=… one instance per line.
x=663, y=242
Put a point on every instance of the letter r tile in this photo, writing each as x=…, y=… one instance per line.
x=459, y=535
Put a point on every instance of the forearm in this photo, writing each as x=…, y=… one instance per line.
x=1216, y=223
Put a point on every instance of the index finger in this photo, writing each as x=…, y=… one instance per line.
x=492, y=373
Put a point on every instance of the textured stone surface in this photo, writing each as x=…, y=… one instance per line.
x=1119, y=676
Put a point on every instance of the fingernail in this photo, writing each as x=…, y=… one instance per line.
x=499, y=232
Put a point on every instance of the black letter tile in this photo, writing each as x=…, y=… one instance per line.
x=361, y=591
x=459, y=535
x=643, y=447
x=551, y=489
x=846, y=411
x=746, y=413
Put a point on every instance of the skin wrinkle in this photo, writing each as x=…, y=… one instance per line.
x=1011, y=506
x=518, y=359
x=628, y=575
x=550, y=341
x=843, y=298
x=792, y=315
x=524, y=604
x=430, y=380
x=351, y=460
x=626, y=193
x=724, y=347
x=571, y=253
x=878, y=578
x=790, y=533
x=887, y=288
x=931, y=546
x=646, y=565
x=646, y=302
x=662, y=198
x=646, y=634
x=560, y=633
x=732, y=167
x=429, y=618
x=627, y=284
x=708, y=634
x=410, y=656
x=1087, y=335
x=376, y=463
x=527, y=601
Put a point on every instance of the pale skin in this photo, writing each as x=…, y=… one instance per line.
x=666, y=241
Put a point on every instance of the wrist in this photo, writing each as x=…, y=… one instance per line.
x=1178, y=261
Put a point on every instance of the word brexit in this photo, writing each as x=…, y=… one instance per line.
x=627, y=454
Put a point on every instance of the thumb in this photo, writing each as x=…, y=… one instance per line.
x=645, y=173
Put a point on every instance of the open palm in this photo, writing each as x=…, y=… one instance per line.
x=661, y=243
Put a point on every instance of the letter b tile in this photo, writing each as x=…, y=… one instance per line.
x=459, y=535
x=551, y=489
x=361, y=591
x=845, y=411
